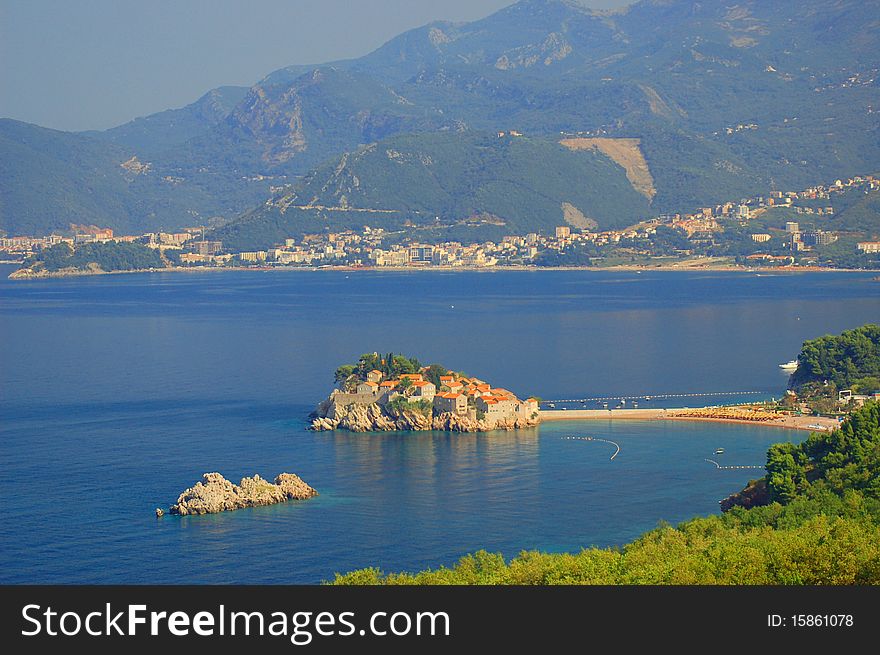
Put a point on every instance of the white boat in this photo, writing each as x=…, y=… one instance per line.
x=789, y=366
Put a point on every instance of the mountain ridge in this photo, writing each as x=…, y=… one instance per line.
x=726, y=100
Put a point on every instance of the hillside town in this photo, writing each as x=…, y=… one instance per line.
x=707, y=231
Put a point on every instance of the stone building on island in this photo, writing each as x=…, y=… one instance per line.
x=460, y=403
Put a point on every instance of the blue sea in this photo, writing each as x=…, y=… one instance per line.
x=117, y=392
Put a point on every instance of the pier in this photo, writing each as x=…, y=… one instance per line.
x=608, y=441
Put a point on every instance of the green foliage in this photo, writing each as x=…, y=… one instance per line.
x=786, y=471
x=866, y=385
x=821, y=549
x=51, y=179
x=841, y=360
x=856, y=211
x=423, y=407
x=401, y=365
x=401, y=404
x=343, y=372
x=667, y=240
x=845, y=459
x=109, y=256
x=397, y=405
x=390, y=365
x=451, y=180
x=577, y=254
x=433, y=374
x=844, y=254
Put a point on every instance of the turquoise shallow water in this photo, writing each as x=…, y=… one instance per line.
x=117, y=392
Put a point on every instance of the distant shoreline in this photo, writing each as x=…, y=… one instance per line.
x=786, y=422
x=445, y=269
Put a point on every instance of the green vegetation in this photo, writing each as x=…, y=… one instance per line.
x=390, y=365
x=847, y=459
x=709, y=551
x=843, y=254
x=856, y=211
x=851, y=359
x=577, y=254
x=823, y=527
x=449, y=181
x=397, y=406
x=52, y=179
x=108, y=256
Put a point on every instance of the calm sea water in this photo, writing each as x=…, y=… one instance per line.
x=117, y=392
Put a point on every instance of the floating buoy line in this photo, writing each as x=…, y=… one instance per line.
x=613, y=443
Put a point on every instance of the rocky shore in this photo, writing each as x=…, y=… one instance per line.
x=754, y=495
x=27, y=273
x=374, y=417
x=214, y=493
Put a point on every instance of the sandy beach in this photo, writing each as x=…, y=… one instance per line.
x=811, y=423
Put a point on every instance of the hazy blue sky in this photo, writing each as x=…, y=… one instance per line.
x=92, y=64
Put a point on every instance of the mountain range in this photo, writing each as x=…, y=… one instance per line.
x=607, y=117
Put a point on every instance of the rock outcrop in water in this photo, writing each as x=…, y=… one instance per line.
x=755, y=494
x=462, y=423
x=217, y=494
x=370, y=417
x=375, y=417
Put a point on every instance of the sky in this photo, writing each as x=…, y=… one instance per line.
x=94, y=64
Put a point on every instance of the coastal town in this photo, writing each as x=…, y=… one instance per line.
x=781, y=228
x=424, y=400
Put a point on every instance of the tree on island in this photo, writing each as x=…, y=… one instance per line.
x=344, y=372
x=390, y=365
x=433, y=374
